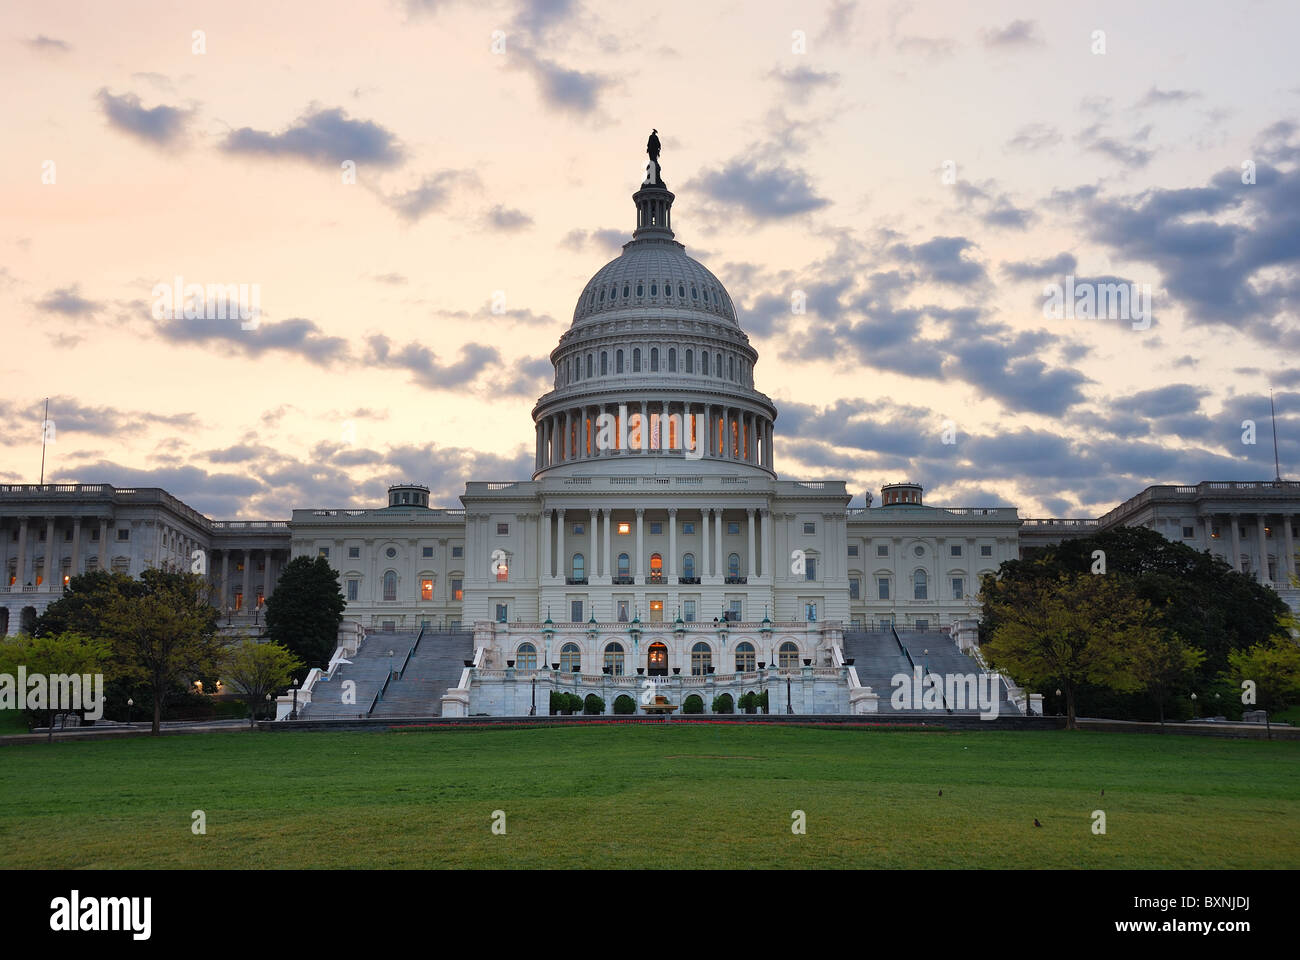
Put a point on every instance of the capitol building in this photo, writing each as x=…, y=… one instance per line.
x=654, y=539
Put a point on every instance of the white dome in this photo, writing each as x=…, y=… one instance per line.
x=653, y=273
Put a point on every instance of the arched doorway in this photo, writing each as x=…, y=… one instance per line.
x=656, y=663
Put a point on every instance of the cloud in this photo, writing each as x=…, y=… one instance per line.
x=1017, y=33
x=942, y=259
x=1052, y=268
x=321, y=136
x=763, y=192
x=1034, y=136
x=432, y=194
x=608, y=239
x=561, y=88
x=994, y=209
x=1156, y=97
x=424, y=365
x=43, y=44
x=838, y=28
x=295, y=336
x=802, y=82
x=1129, y=154
x=507, y=219
x=161, y=125
x=71, y=417
x=68, y=302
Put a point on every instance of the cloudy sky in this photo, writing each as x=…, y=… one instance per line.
x=920, y=172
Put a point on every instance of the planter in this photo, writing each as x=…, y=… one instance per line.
x=640, y=671
x=848, y=661
x=510, y=663
x=762, y=664
x=555, y=666
x=676, y=671
x=807, y=663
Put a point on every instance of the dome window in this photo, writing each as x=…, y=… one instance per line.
x=618, y=361
x=672, y=359
x=690, y=361
x=640, y=290
x=626, y=291
x=654, y=359
x=636, y=360
x=602, y=296
x=681, y=291
x=654, y=290
x=694, y=294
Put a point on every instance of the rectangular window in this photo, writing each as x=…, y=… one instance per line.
x=733, y=527
x=958, y=588
x=810, y=568
x=352, y=590
x=426, y=552
x=688, y=611
x=688, y=526
x=855, y=588
x=1189, y=532
x=503, y=614
x=624, y=529
x=810, y=612
x=882, y=549
x=622, y=611
x=457, y=552
x=986, y=550
x=853, y=549
x=579, y=529
x=426, y=588
x=810, y=528
x=955, y=550
x=575, y=611
x=656, y=527
x=354, y=553
x=320, y=552
x=734, y=611
x=123, y=533
x=457, y=593
x=882, y=588
x=503, y=529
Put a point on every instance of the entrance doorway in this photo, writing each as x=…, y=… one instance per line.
x=657, y=660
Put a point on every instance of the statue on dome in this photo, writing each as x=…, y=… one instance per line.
x=653, y=172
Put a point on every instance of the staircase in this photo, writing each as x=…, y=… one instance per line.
x=877, y=658
x=368, y=670
x=435, y=665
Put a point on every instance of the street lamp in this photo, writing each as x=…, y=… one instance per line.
x=268, y=707
x=1193, y=706
x=532, y=711
x=229, y=613
x=257, y=610
x=130, y=702
x=788, y=708
x=294, y=714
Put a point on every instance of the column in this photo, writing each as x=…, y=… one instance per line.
x=1236, y=542
x=76, y=546
x=564, y=443
x=225, y=581
x=248, y=573
x=51, y=558
x=561, y=565
x=704, y=545
x=266, y=570
x=645, y=427
x=672, y=544
x=592, y=527
x=665, y=434
x=1263, y=549
x=103, y=561
x=1289, y=546
x=750, y=513
x=767, y=543
x=548, y=568
x=717, y=544
x=640, y=573
x=21, y=582
x=606, y=569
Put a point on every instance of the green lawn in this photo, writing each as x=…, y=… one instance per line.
x=652, y=797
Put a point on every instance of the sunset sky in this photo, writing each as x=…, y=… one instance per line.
x=133, y=157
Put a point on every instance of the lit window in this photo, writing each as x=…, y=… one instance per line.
x=624, y=529
x=426, y=589
x=457, y=592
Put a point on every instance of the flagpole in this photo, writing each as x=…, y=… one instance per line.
x=44, y=433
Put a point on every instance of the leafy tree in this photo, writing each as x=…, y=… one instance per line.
x=593, y=705
x=83, y=601
x=1162, y=664
x=256, y=669
x=1273, y=669
x=624, y=704
x=164, y=634
x=304, y=612
x=53, y=655
x=1078, y=629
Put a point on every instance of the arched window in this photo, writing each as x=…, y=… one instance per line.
x=672, y=359
x=745, y=659
x=920, y=585
x=688, y=566
x=656, y=566
x=589, y=366
x=788, y=655
x=626, y=291
x=704, y=363
x=733, y=565
x=604, y=363
x=390, y=585
x=731, y=368
x=718, y=365
x=640, y=289
x=618, y=361
x=690, y=361
x=579, y=566
x=526, y=657
x=624, y=564
x=602, y=295
x=701, y=659
x=614, y=658
x=654, y=290
x=654, y=359
x=636, y=360
x=695, y=295
x=570, y=658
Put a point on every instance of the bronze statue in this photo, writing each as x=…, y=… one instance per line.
x=652, y=147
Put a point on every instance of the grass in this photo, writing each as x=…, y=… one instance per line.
x=668, y=796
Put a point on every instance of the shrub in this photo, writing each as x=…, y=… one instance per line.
x=693, y=704
x=624, y=704
x=593, y=705
x=557, y=702
x=572, y=703
x=723, y=703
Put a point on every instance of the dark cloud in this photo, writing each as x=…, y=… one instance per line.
x=43, y=44
x=1053, y=268
x=68, y=302
x=562, y=88
x=608, y=239
x=992, y=207
x=1017, y=33
x=294, y=336
x=424, y=365
x=161, y=125
x=802, y=81
x=761, y=191
x=1129, y=154
x=942, y=260
x=1156, y=97
x=72, y=417
x=321, y=136
x=1035, y=136
x=507, y=219
x=433, y=193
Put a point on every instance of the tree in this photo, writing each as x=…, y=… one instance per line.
x=255, y=669
x=304, y=612
x=1162, y=664
x=165, y=634
x=1074, y=630
x=83, y=601
x=1272, y=671
x=54, y=655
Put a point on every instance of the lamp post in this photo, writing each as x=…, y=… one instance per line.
x=130, y=702
x=257, y=610
x=229, y=613
x=1193, y=706
x=532, y=711
x=269, y=711
x=294, y=714
x=788, y=708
